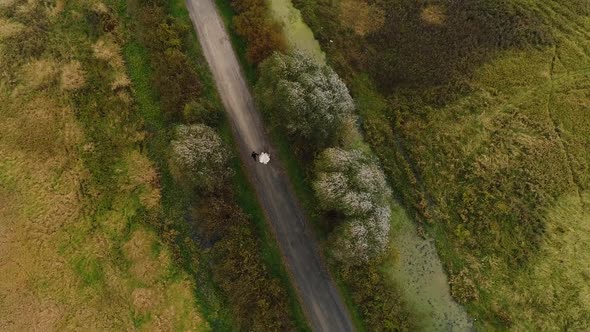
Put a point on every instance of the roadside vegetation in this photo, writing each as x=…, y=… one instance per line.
x=311, y=107
x=477, y=111
x=262, y=34
x=194, y=146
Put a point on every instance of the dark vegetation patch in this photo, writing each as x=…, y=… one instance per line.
x=263, y=35
x=408, y=51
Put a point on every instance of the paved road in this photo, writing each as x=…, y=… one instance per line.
x=321, y=301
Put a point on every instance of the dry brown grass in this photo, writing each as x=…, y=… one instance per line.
x=41, y=128
x=6, y=3
x=58, y=265
x=72, y=76
x=145, y=267
x=361, y=17
x=26, y=7
x=100, y=7
x=9, y=28
x=40, y=202
x=120, y=81
x=39, y=73
x=433, y=15
x=56, y=9
x=108, y=50
x=143, y=175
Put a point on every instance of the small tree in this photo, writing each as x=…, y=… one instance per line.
x=306, y=99
x=199, y=155
x=351, y=183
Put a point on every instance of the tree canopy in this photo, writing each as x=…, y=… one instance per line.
x=306, y=99
x=351, y=183
x=198, y=153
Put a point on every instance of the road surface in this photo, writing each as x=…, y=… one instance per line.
x=317, y=293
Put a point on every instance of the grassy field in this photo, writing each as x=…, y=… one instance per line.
x=482, y=126
x=77, y=191
x=98, y=233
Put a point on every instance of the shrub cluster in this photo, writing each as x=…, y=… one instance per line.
x=351, y=184
x=263, y=35
x=307, y=100
x=174, y=77
x=199, y=154
x=199, y=158
x=379, y=301
x=313, y=106
x=258, y=300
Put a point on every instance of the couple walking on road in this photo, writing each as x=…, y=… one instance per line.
x=262, y=157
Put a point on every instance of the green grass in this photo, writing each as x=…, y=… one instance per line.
x=80, y=178
x=487, y=157
x=90, y=270
x=175, y=200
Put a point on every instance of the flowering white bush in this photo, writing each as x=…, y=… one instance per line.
x=352, y=183
x=309, y=100
x=199, y=153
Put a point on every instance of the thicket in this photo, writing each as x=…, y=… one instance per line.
x=258, y=300
x=351, y=185
x=307, y=100
x=199, y=156
x=200, y=161
x=174, y=77
x=263, y=35
x=312, y=106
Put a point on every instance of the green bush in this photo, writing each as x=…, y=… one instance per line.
x=307, y=100
x=380, y=302
x=174, y=77
x=202, y=111
x=263, y=35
